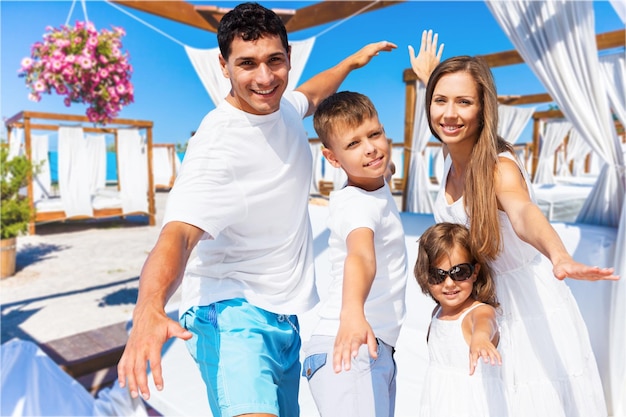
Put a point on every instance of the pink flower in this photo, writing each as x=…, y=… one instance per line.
x=84, y=65
x=85, y=62
x=27, y=63
x=39, y=86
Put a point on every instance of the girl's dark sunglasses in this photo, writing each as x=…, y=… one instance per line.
x=460, y=272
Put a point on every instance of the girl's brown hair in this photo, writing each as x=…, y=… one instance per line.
x=438, y=241
x=479, y=196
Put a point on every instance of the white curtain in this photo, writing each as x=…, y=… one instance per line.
x=207, y=66
x=418, y=199
x=318, y=162
x=512, y=120
x=557, y=40
x=42, y=181
x=165, y=164
x=620, y=9
x=16, y=137
x=614, y=75
x=551, y=138
x=132, y=165
x=96, y=147
x=577, y=151
x=74, y=169
x=617, y=327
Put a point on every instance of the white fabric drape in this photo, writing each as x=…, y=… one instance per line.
x=207, y=66
x=613, y=70
x=562, y=168
x=74, y=168
x=557, y=40
x=165, y=165
x=418, y=199
x=617, y=327
x=318, y=162
x=620, y=8
x=512, y=120
x=42, y=181
x=577, y=151
x=32, y=384
x=552, y=136
x=132, y=163
x=96, y=147
x=15, y=138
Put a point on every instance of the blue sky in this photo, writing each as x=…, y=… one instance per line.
x=168, y=91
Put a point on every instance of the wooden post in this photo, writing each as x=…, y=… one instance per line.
x=151, y=204
x=409, y=121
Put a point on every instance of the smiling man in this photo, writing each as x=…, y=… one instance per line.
x=241, y=197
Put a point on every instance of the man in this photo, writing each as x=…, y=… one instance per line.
x=241, y=196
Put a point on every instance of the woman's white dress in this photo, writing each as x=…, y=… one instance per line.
x=449, y=390
x=547, y=363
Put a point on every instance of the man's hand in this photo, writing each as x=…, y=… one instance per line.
x=149, y=333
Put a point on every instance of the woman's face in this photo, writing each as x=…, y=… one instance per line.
x=455, y=109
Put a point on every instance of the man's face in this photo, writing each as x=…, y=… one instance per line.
x=258, y=72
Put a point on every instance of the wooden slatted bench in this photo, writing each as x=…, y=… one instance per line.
x=90, y=357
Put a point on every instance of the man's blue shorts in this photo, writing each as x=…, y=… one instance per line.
x=249, y=358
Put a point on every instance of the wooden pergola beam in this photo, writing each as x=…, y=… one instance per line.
x=330, y=11
x=208, y=17
x=177, y=10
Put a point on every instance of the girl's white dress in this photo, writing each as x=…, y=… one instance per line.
x=449, y=390
x=548, y=366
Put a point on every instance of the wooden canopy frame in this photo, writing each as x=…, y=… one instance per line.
x=29, y=121
x=208, y=17
x=604, y=41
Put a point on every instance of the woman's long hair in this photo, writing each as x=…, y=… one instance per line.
x=479, y=195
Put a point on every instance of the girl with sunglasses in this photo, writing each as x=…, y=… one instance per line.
x=463, y=332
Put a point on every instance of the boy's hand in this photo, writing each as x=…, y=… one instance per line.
x=349, y=339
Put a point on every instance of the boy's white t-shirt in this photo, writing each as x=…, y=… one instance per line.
x=351, y=208
x=245, y=181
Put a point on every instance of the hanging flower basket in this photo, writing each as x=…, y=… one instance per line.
x=84, y=65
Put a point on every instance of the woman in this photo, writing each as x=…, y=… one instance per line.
x=548, y=365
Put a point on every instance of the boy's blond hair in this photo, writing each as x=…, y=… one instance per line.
x=342, y=109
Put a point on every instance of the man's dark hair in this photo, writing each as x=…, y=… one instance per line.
x=250, y=21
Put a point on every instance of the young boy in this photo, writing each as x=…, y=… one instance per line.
x=361, y=316
x=242, y=197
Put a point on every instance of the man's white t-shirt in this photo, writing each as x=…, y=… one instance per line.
x=351, y=208
x=245, y=181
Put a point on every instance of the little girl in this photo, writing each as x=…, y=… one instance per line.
x=463, y=328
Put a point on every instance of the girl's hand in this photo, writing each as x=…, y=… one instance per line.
x=483, y=348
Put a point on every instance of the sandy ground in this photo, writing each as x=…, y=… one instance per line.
x=75, y=277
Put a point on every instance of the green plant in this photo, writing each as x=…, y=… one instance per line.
x=15, y=211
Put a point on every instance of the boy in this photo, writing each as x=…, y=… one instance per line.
x=361, y=316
